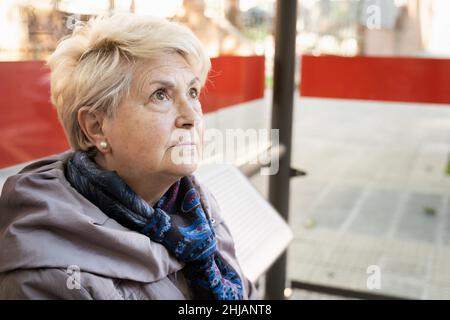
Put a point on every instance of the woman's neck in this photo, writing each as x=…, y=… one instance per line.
x=150, y=187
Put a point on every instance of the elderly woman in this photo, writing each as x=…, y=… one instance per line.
x=121, y=216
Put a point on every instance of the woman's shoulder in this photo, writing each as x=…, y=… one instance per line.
x=36, y=175
x=38, y=210
x=39, y=187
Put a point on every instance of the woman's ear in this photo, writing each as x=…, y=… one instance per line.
x=91, y=123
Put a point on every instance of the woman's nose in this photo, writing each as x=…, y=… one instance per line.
x=187, y=116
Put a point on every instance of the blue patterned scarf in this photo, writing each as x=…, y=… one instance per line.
x=177, y=221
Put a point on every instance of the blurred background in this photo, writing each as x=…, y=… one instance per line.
x=371, y=124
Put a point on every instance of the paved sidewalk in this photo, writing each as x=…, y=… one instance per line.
x=376, y=193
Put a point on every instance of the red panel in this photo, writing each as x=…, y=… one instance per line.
x=233, y=80
x=29, y=128
x=420, y=80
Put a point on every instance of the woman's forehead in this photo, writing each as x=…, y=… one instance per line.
x=170, y=69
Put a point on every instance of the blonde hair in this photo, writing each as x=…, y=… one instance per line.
x=94, y=66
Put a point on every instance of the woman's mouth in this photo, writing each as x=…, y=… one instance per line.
x=185, y=147
x=185, y=144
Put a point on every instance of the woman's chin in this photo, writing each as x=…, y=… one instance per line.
x=183, y=161
x=183, y=170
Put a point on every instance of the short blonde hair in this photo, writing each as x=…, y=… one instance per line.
x=94, y=66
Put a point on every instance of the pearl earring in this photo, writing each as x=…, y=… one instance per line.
x=103, y=145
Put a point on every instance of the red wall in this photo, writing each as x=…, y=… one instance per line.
x=420, y=80
x=233, y=80
x=29, y=128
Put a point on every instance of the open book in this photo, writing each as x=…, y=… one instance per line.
x=259, y=232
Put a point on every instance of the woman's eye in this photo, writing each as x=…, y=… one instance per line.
x=160, y=95
x=193, y=93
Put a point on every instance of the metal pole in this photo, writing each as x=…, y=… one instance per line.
x=282, y=109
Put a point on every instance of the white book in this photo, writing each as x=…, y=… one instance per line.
x=259, y=232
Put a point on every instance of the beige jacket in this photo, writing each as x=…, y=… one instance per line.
x=55, y=244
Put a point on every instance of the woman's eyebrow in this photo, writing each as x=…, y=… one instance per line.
x=165, y=83
x=171, y=84
x=196, y=79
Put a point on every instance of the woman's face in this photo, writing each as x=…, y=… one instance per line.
x=158, y=130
